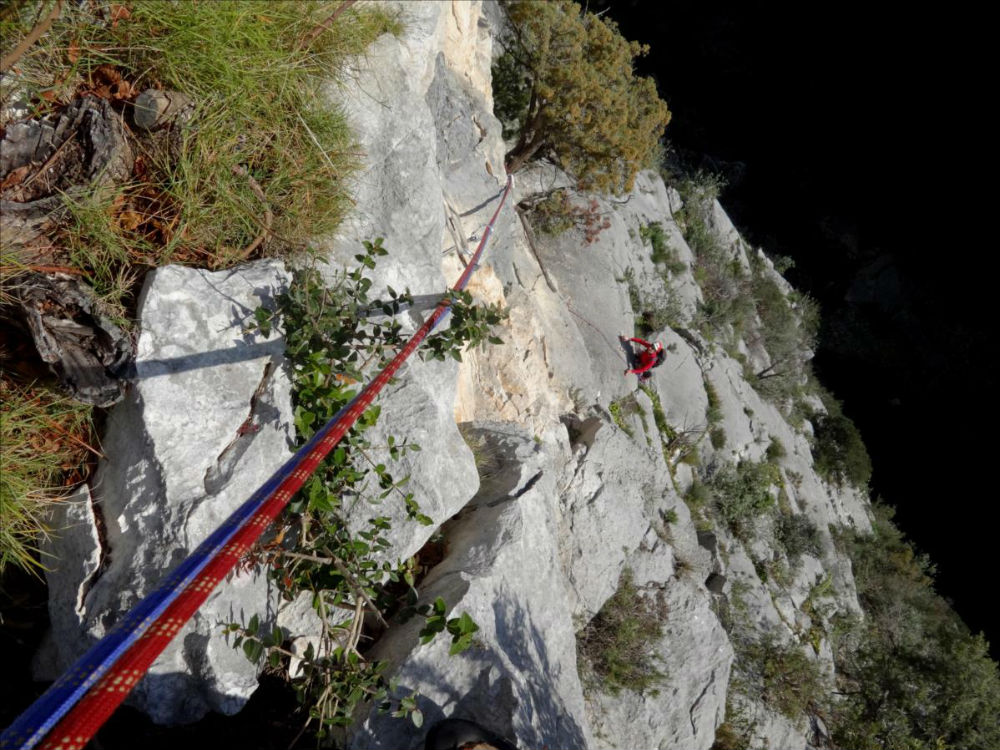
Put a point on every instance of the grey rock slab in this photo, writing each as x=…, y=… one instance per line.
x=607, y=498
x=178, y=464
x=72, y=554
x=519, y=678
x=399, y=197
x=696, y=656
x=774, y=730
x=442, y=475
x=680, y=385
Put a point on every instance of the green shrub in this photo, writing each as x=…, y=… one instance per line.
x=839, y=454
x=749, y=304
x=551, y=215
x=621, y=409
x=653, y=313
x=556, y=213
x=331, y=343
x=698, y=495
x=714, y=412
x=718, y=437
x=788, y=329
x=912, y=674
x=690, y=456
x=727, y=297
x=511, y=93
x=585, y=106
x=661, y=251
x=654, y=235
x=619, y=642
x=797, y=535
x=743, y=493
x=776, y=449
x=782, y=676
x=736, y=732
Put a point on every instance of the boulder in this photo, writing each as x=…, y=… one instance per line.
x=205, y=424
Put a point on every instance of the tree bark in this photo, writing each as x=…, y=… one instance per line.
x=516, y=160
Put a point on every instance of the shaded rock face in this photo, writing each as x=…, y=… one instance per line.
x=520, y=677
x=204, y=424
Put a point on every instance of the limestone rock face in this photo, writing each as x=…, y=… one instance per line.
x=546, y=472
x=696, y=656
x=520, y=676
x=610, y=491
x=205, y=423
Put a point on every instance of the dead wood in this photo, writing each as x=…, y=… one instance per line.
x=33, y=36
x=88, y=352
x=43, y=160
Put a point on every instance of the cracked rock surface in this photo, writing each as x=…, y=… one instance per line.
x=204, y=424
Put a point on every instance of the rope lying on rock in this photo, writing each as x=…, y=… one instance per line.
x=71, y=711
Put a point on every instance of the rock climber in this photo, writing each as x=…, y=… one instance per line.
x=648, y=357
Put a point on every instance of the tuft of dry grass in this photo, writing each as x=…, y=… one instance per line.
x=43, y=443
x=266, y=160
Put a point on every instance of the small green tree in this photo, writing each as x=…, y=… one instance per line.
x=839, y=454
x=584, y=103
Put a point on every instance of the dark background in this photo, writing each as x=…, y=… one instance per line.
x=860, y=144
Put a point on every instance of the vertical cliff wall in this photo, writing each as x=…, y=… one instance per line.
x=546, y=472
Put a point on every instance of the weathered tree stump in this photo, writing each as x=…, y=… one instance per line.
x=69, y=153
x=88, y=352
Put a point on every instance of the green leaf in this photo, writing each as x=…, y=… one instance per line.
x=253, y=650
x=254, y=625
x=417, y=717
x=462, y=625
x=460, y=645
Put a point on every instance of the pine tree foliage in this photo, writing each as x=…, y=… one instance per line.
x=585, y=104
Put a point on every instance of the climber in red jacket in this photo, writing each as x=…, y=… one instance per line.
x=650, y=356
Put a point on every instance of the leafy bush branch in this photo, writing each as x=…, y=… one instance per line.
x=335, y=332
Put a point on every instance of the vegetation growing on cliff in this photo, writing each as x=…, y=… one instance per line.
x=565, y=85
x=261, y=170
x=911, y=674
x=43, y=444
x=619, y=643
x=334, y=334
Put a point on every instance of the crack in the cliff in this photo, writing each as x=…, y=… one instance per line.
x=103, y=554
x=697, y=702
x=527, y=486
x=453, y=223
x=482, y=130
x=219, y=473
x=517, y=275
x=530, y=237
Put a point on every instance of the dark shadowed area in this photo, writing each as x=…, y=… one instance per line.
x=856, y=142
